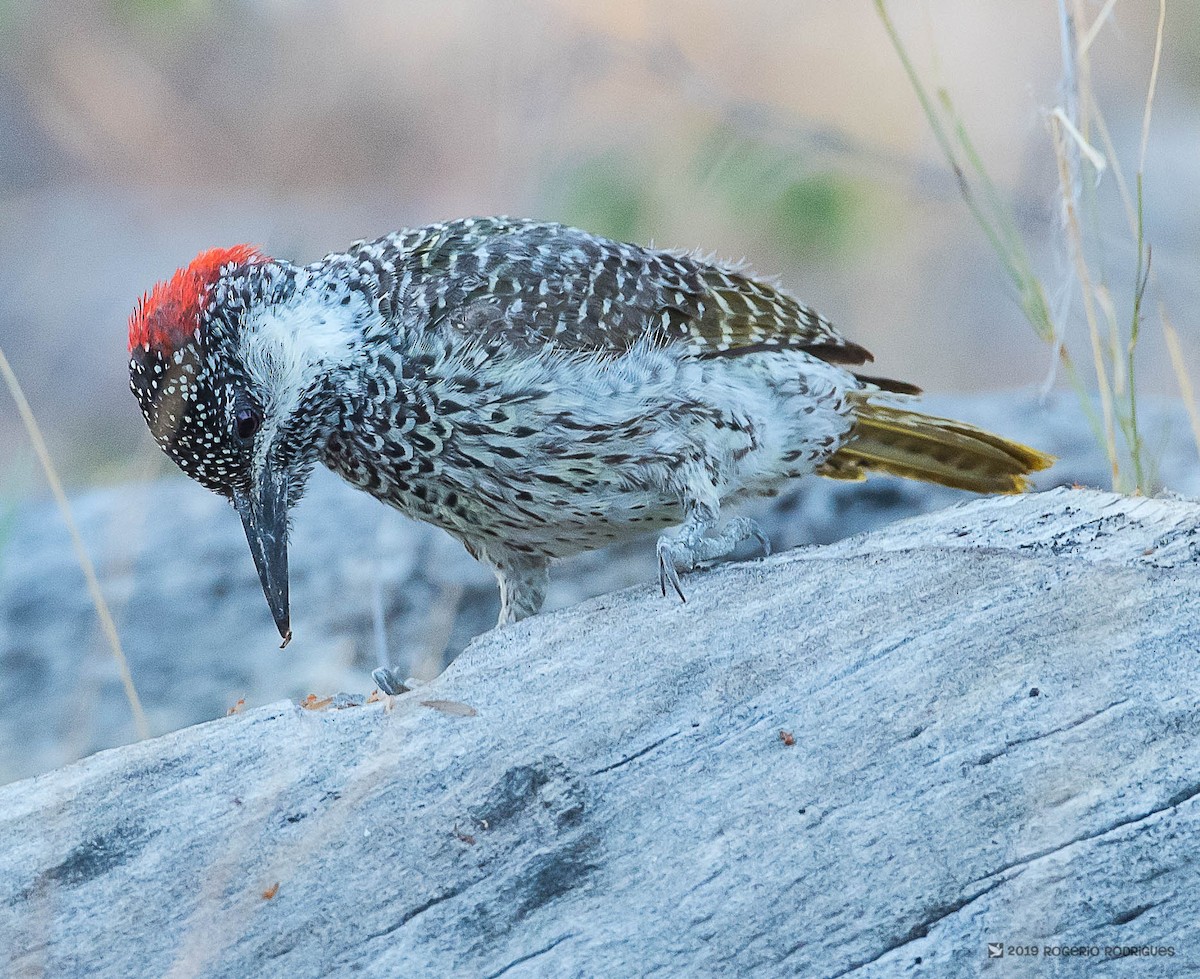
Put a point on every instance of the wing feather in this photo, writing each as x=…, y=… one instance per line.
x=526, y=283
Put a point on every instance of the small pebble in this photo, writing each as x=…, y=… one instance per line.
x=388, y=682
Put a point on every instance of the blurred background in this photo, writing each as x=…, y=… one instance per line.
x=135, y=133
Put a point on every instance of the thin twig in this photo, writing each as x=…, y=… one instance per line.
x=1094, y=31
x=85, y=562
x=1075, y=238
x=1113, y=356
x=1078, y=198
x=1144, y=273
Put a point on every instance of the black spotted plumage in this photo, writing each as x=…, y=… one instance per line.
x=533, y=389
x=528, y=283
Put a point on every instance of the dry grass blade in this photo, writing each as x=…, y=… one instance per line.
x=451, y=707
x=85, y=562
x=1082, y=272
x=1181, y=375
x=988, y=209
x=1094, y=31
x=1113, y=345
x=1153, y=86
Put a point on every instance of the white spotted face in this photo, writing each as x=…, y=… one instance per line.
x=227, y=359
x=197, y=419
x=191, y=403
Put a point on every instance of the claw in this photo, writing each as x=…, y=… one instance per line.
x=690, y=548
x=743, y=528
x=668, y=572
x=763, y=540
x=673, y=578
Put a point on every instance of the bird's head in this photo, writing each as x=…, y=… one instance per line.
x=228, y=359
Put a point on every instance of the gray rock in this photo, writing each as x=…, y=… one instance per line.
x=993, y=736
x=369, y=587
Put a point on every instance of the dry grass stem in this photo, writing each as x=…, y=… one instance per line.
x=1181, y=374
x=1075, y=241
x=1093, y=32
x=1153, y=86
x=85, y=562
x=1113, y=339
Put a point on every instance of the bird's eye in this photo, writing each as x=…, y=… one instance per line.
x=246, y=423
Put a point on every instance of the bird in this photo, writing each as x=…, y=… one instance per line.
x=533, y=389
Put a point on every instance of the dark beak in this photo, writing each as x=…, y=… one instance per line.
x=264, y=516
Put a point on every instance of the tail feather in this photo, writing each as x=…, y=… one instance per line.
x=933, y=450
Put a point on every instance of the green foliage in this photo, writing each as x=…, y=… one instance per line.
x=606, y=196
x=741, y=169
x=801, y=214
x=12, y=18
x=806, y=214
x=168, y=12
x=812, y=215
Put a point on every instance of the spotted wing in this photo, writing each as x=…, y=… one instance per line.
x=524, y=283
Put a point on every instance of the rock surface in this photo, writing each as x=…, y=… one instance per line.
x=992, y=735
x=368, y=586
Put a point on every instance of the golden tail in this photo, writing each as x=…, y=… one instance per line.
x=933, y=450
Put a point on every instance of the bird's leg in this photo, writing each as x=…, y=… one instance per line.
x=690, y=546
x=523, y=582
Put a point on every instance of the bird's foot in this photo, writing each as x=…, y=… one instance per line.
x=691, y=547
x=743, y=529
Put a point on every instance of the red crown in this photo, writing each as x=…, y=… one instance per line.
x=168, y=314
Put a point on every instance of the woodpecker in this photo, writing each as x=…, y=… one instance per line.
x=533, y=389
